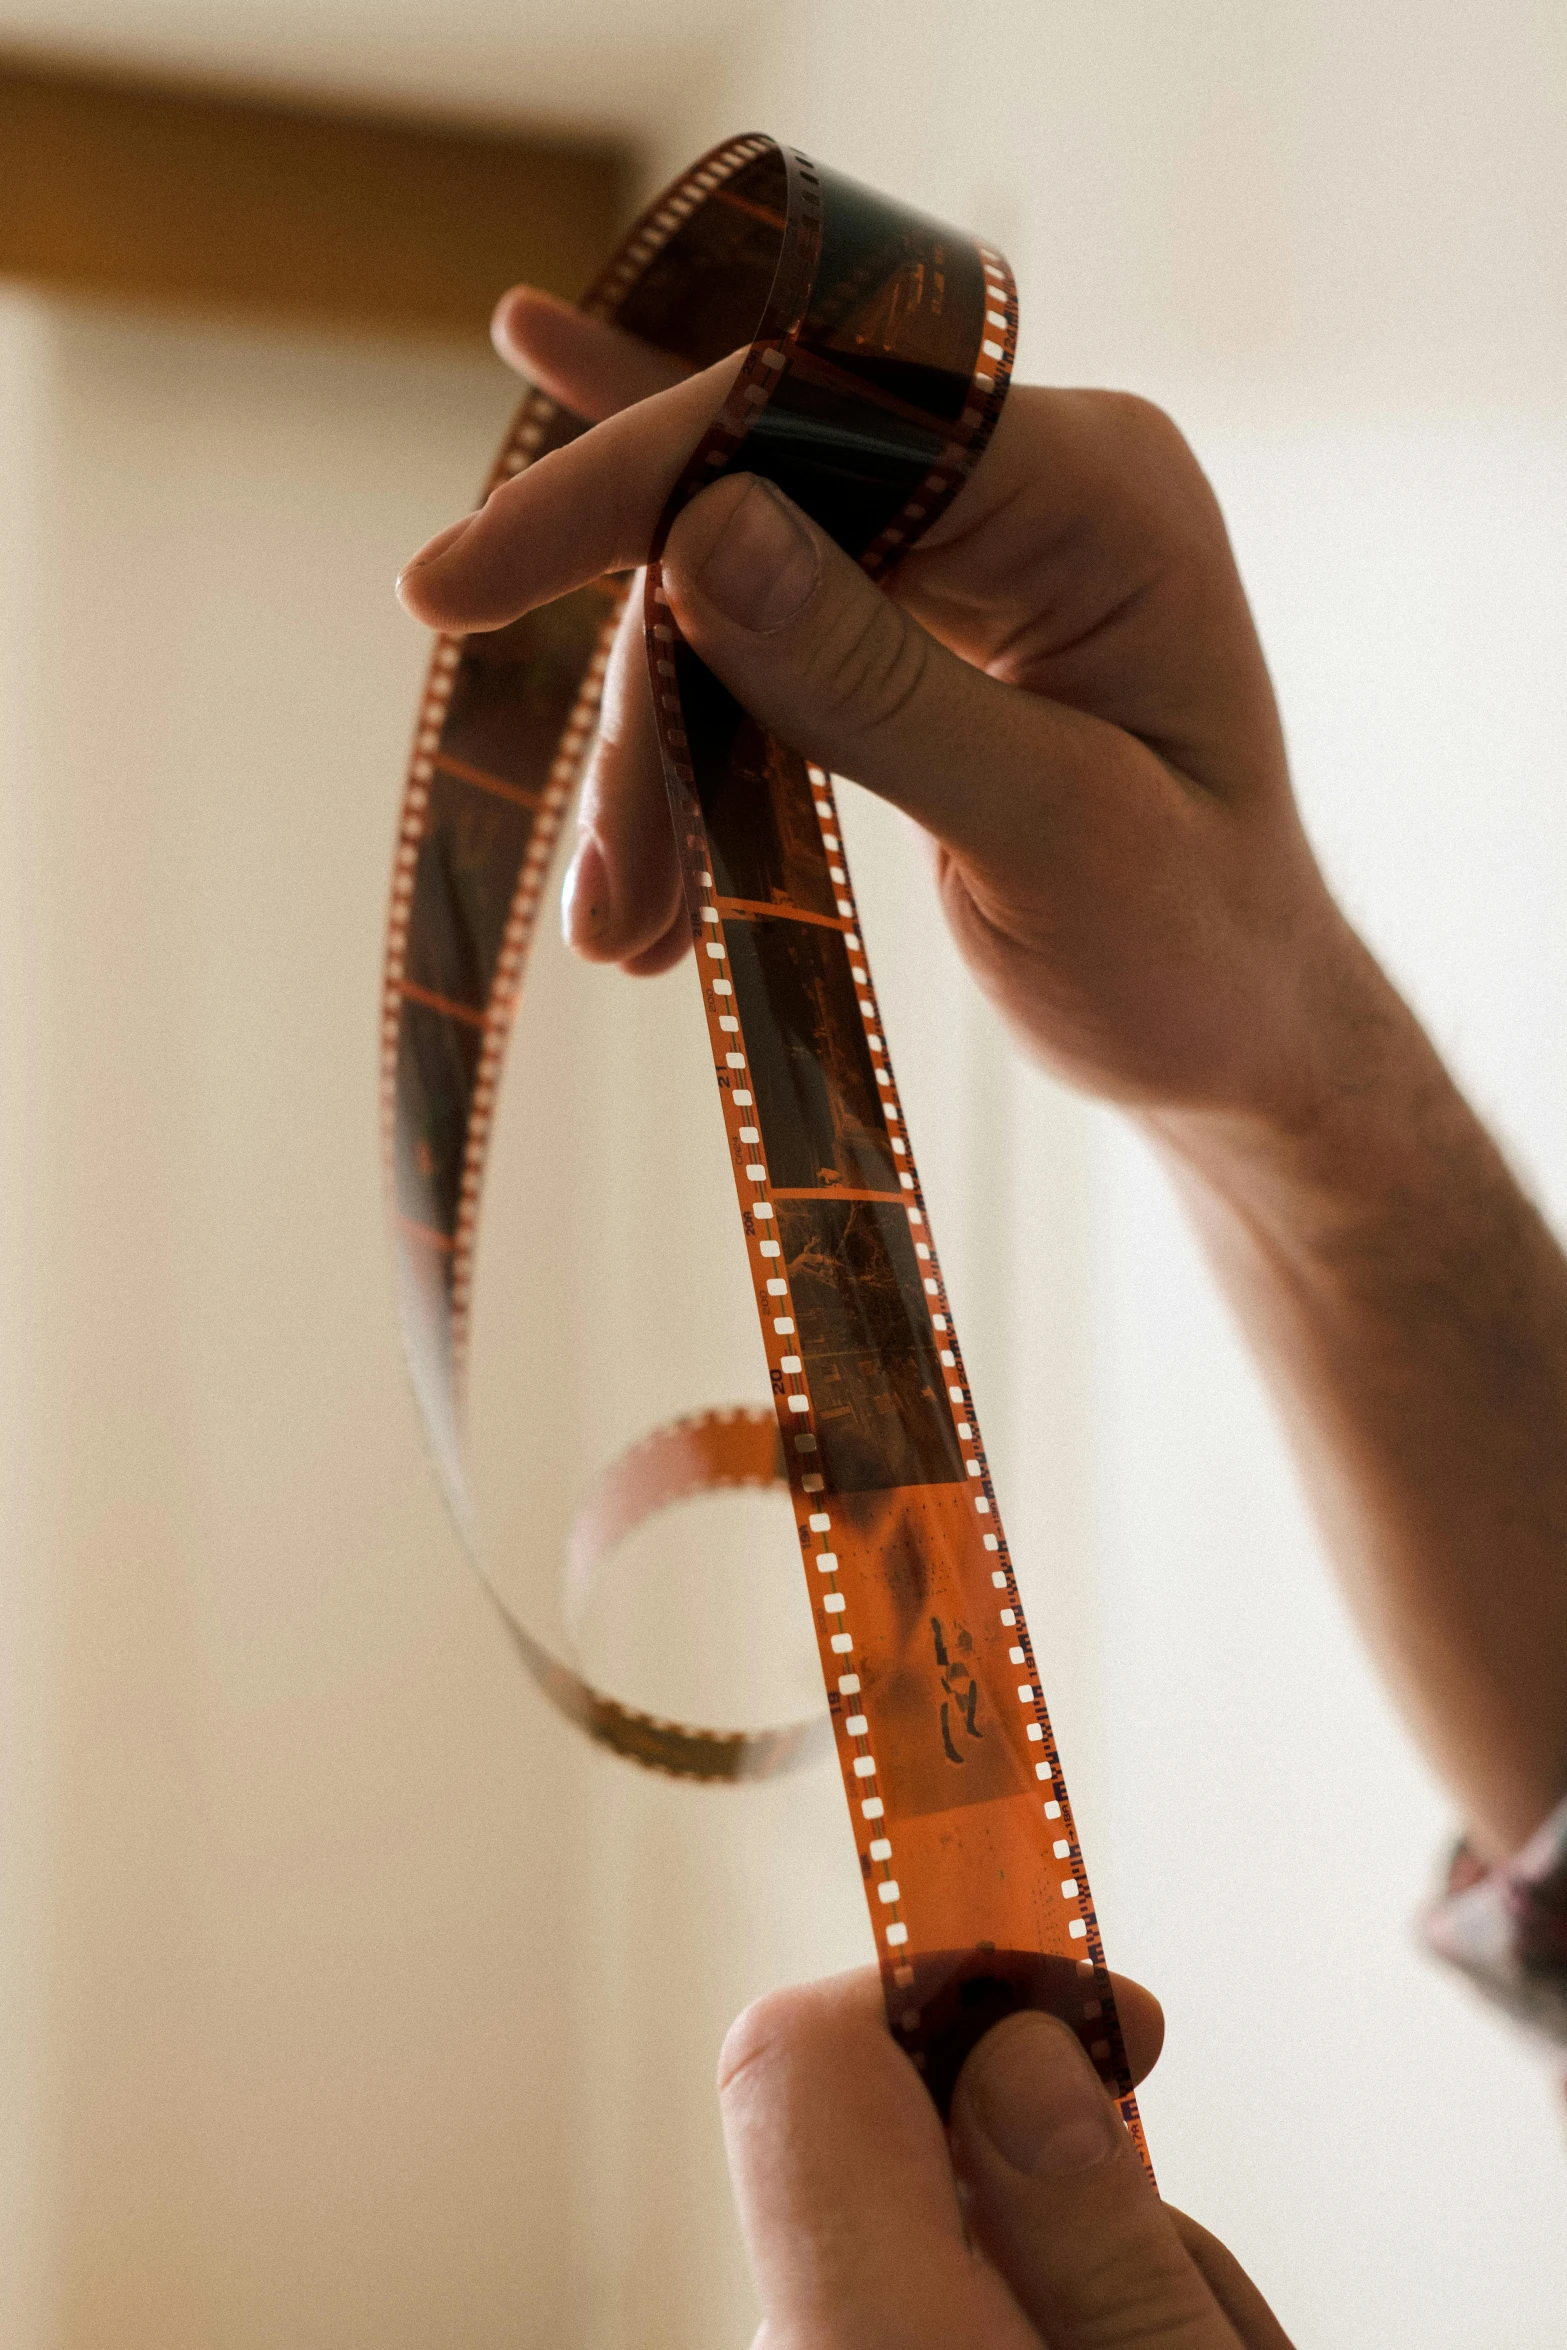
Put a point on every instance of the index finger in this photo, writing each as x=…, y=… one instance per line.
x=583, y=510
x=845, y=2190
x=589, y=365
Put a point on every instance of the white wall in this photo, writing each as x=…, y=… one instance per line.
x=342, y=1982
x=1409, y=583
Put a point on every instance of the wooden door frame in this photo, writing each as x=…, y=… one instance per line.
x=170, y=193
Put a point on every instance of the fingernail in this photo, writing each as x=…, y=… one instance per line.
x=584, y=895
x=439, y=544
x=1038, y=2099
x=765, y=564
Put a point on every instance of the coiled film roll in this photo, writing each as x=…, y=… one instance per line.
x=880, y=344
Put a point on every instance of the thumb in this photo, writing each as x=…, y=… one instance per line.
x=826, y=660
x=1062, y=2207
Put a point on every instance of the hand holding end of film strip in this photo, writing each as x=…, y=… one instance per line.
x=1063, y=686
x=864, y=2218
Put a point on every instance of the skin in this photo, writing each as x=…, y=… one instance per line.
x=1065, y=688
x=1029, y=2222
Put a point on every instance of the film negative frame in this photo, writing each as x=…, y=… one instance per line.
x=878, y=347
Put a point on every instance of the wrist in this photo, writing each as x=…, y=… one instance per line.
x=1354, y=1122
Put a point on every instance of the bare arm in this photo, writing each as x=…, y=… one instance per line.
x=1409, y=1307
x=1065, y=688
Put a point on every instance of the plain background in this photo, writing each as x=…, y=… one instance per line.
x=349, y=2003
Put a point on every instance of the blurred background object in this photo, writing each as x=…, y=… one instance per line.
x=172, y=194
x=346, y=1999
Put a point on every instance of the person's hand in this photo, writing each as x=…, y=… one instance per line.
x=1063, y=686
x=1035, y=2225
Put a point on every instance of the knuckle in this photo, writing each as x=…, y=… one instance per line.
x=1159, y=481
x=806, y=2033
x=1144, y=425
x=758, y=2037
x=1147, y=446
x=1143, y=2295
x=871, y=665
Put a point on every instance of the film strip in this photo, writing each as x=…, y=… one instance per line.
x=878, y=349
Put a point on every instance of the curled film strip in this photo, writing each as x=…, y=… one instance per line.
x=880, y=345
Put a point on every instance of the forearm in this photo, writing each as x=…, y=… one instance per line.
x=1409, y=1306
